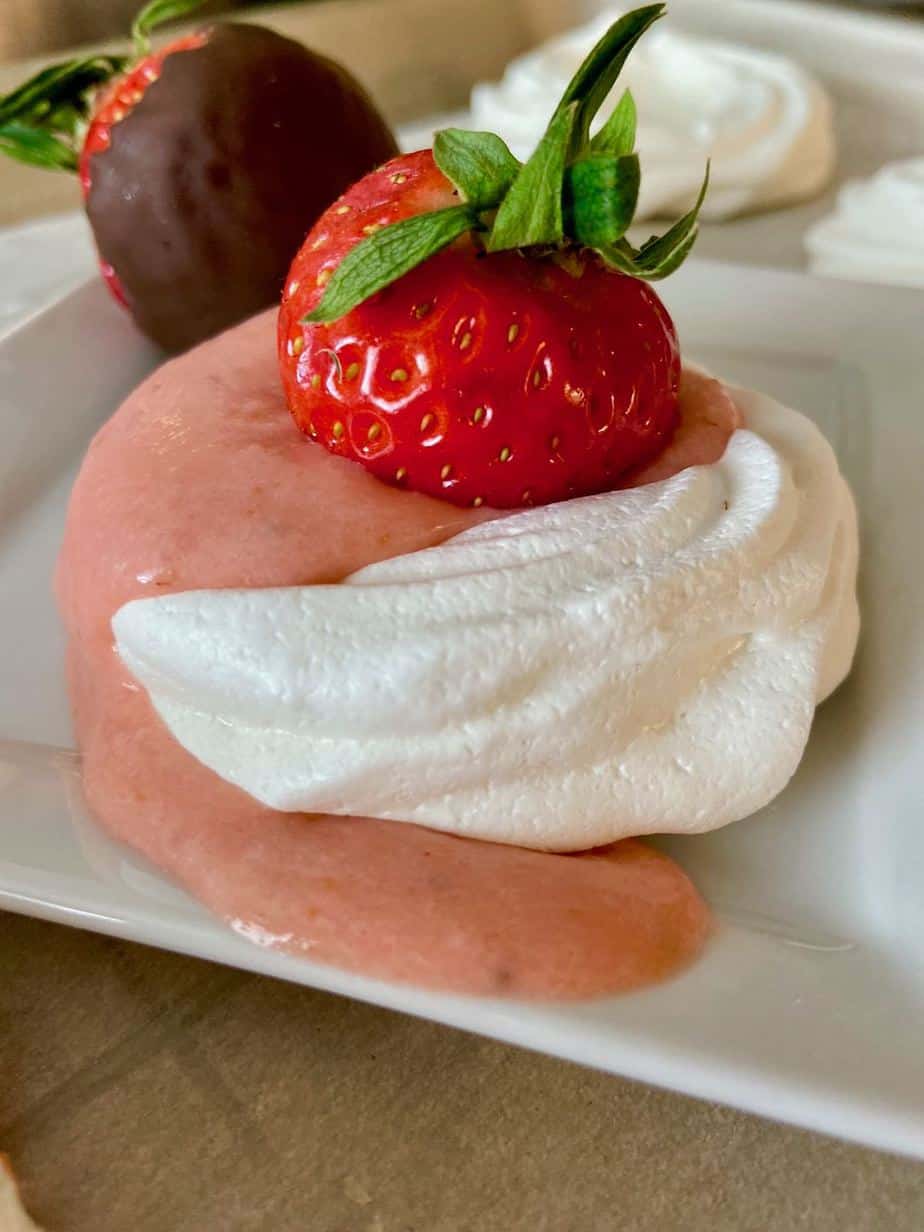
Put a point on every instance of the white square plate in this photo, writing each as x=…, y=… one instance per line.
x=809, y=1004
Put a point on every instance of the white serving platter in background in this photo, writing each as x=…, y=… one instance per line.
x=809, y=1004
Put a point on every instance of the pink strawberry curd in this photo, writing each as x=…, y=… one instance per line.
x=202, y=480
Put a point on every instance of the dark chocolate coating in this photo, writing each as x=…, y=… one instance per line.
x=211, y=183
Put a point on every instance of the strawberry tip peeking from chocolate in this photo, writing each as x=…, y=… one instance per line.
x=481, y=330
x=202, y=163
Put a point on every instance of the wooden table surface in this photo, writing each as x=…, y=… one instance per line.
x=148, y=1092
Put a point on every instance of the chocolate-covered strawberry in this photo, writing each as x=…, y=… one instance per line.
x=483, y=331
x=203, y=164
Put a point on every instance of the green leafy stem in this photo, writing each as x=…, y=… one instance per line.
x=43, y=122
x=573, y=191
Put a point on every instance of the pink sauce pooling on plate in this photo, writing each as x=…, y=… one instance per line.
x=201, y=480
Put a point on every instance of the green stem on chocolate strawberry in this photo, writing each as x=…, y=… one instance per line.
x=157, y=13
x=43, y=121
x=573, y=192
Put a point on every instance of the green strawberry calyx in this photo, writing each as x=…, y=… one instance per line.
x=43, y=122
x=574, y=191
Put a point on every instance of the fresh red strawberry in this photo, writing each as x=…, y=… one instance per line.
x=481, y=330
x=504, y=379
x=195, y=197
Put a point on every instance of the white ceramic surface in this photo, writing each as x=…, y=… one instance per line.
x=809, y=1005
x=39, y=260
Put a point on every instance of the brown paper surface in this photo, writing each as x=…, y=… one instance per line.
x=146, y=1092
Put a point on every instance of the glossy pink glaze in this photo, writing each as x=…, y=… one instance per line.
x=201, y=480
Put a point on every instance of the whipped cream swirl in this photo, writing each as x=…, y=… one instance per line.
x=876, y=232
x=639, y=661
x=766, y=124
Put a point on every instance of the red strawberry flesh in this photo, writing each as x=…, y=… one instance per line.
x=504, y=380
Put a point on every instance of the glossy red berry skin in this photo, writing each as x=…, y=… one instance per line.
x=504, y=380
x=116, y=101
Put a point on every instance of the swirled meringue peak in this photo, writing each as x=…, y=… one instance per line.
x=766, y=124
x=639, y=661
x=876, y=232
